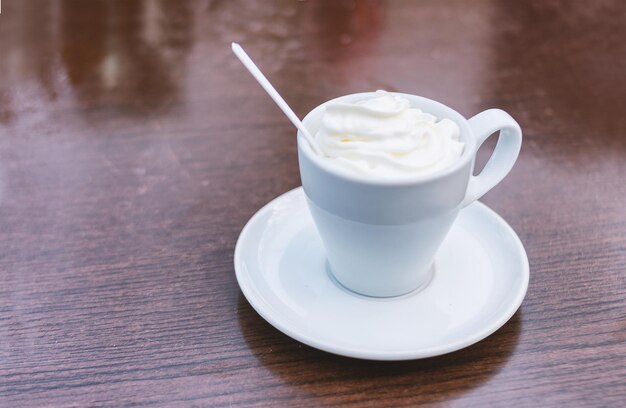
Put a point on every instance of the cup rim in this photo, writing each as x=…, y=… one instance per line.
x=468, y=152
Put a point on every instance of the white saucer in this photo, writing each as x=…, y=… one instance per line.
x=481, y=277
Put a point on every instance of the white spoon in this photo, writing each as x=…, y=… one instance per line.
x=258, y=75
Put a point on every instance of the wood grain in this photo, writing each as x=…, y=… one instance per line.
x=134, y=147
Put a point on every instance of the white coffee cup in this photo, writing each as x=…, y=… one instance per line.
x=381, y=236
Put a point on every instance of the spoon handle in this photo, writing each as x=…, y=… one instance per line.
x=271, y=91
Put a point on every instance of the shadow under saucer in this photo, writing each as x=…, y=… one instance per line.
x=334, y=378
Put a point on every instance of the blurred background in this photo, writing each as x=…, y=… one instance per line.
x=145, y=57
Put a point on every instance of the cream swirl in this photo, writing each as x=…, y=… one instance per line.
x=383, y=137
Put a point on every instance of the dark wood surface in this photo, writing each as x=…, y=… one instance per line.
x=134, y=148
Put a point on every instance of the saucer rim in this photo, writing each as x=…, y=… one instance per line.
x=368, y=354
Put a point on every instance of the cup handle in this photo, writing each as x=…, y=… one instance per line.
x=504, y=155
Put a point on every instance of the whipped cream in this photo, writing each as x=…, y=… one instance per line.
x=383, y=137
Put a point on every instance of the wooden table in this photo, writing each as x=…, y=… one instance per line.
x=134, y=148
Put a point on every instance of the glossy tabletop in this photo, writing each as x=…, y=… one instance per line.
x=134, y=147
